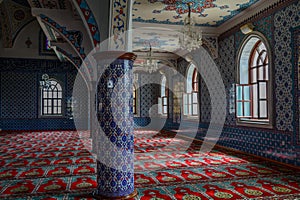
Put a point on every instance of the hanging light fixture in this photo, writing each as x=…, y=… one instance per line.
x=191, y=38
x=150, y=65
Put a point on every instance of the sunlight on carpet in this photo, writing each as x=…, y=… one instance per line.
x=58, y=164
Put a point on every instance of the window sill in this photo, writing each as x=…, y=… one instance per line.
x=191, y=118
x=254, y=123
x=53, y=116
x=163, y=115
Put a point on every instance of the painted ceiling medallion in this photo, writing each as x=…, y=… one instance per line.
x=181, y=7
x=206, y=12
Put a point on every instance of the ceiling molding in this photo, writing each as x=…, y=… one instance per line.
x=256, y=14
x=244, y=15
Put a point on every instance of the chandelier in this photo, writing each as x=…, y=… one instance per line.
x=191, y=38
x=150, y=65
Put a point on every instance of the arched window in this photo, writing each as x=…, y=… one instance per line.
x=51, y=99
x=190, y=98
x=134, y=100
x=253, y=90
x=163, y=99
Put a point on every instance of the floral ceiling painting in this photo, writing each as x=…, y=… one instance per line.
x=206, y=12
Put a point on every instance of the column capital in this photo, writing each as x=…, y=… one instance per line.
x=107, y=55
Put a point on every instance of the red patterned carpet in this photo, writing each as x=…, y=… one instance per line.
x=58, y=165
x=37, y=165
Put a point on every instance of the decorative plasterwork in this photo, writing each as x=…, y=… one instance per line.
x=120, y=19
x=76, y=61
x=13, y=18
x=49, y=4
x=89, y=20
x=74, y=37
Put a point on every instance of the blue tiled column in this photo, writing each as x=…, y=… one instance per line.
x=115, y=159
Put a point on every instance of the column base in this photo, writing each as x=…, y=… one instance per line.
x=130, y=196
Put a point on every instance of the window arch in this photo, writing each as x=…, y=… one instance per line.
x=253, y=96
x=51, y=99
x=190, y=98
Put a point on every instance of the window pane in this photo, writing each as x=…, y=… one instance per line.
x=165, y=109
x=185, y=109
x=240, y=109
x=49, y=110
x=159, y=105
x=184, y=99
x=59, y=111
x=54, y=95
x=262, y=90
x=58, y=87
x=263, y=109
x=44, y=94
x=254, y=59
x=165, y=101
x=261, y=73
x=59, y=95
x=190, y=109
x=267, y=72
x=247, y=111
x=254, y=75
x=260, y=60
x=246, y=93
x=54, y=102
x=59, y=102
x=195, y=98
x=49, y=102
x=189, y=98
x=239, y=92
x=195, y=109
x=255, y=100
x=264, y=56
x=45, y=102
x=49, y=94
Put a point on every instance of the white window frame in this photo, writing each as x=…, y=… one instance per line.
x=51, y=100
x=163, y=99
x=251, y=119
x=190, y=98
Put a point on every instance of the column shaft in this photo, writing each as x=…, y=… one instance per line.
x=115, y=164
